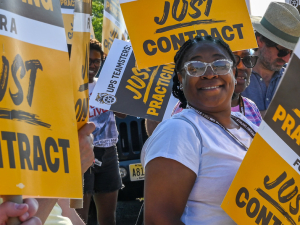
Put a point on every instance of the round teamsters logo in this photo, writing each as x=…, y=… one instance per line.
x=105, y=98
x=294, y=3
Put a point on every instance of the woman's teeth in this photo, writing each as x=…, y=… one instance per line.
x=214, y=87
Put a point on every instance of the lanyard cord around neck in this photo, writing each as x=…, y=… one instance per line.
x=240, y=122
x=242, y=106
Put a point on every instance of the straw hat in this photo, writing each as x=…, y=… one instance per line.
x=280, y=24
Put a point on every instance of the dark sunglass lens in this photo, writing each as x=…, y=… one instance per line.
x=237, y=59
x=250, y=61
x=283, y=53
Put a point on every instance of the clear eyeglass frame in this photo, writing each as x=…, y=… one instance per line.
x=185, y=67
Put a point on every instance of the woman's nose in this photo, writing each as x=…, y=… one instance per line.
x=209, y=73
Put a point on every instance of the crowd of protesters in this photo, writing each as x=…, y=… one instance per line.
x=222, y=98
x=196, y=154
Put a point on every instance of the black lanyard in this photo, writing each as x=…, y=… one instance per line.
x=242, y=107
x=240, y=122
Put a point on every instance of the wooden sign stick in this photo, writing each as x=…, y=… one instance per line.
x=76, y=203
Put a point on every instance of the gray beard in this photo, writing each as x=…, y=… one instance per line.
x=267, y=64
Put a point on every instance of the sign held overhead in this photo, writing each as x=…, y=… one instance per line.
x=158, y=28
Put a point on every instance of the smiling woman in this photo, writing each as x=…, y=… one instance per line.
x=245, y=63
x=192, y=158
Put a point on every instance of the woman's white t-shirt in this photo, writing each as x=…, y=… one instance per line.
x=214, y=157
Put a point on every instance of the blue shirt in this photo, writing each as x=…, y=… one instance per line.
x=259, y=93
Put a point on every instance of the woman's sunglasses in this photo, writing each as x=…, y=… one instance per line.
x=198, y=68
x=249, y=61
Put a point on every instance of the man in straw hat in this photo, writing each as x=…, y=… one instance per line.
x=277, y=34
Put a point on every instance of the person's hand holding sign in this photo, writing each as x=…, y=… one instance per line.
x=25, y=212
x=86, y=146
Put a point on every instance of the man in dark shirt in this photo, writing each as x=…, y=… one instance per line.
x=277, y=34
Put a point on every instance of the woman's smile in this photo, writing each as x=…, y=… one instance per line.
x=210, y=87
x=242, y=77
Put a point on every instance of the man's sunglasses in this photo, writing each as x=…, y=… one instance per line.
x=198, y=68
x=270, y=44
x=249, y=61
x=283, y=52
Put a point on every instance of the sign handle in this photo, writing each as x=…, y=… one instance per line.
x=76, y=203
x=16, y=199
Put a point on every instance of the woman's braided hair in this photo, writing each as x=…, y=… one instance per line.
x=178, y=63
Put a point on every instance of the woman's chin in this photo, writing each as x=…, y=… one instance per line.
x=210, y=105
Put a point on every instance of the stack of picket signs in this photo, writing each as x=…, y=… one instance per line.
x=39, y=149
x=39, y=153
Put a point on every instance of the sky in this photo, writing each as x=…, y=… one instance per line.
x=258, y=7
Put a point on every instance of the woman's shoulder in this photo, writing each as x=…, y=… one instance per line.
x=249, y=102
x=176, y=129
x=176, y=123
x=174, y=139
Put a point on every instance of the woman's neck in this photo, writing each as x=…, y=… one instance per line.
x=223, y=117
x=235, y=100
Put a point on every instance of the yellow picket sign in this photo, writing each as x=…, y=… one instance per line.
x=113, y=24
x=266, y=188
x=157, y=28
x=67, y=9
x=271, y=189
x=39, y=153
x=79, y=61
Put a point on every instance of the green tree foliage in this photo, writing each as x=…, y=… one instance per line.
x=97, y=8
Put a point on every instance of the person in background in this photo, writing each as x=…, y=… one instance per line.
x=25, y=212
x=191, y=159
x=103, y=180
x=277, y=34
x=244, y=62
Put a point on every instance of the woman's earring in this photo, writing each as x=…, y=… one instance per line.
x=248, y=83
x=180, y=87
x=235, y=82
